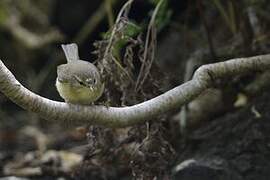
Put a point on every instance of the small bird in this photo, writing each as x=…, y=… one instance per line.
x=78, y=81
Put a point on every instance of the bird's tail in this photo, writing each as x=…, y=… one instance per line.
x=71, y=52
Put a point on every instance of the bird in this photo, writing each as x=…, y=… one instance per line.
x=78, y=81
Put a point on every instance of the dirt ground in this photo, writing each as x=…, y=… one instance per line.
x=234, y=146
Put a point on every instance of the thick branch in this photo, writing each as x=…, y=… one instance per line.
x=127, y=116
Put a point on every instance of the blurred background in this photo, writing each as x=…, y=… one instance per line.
x=189, y=34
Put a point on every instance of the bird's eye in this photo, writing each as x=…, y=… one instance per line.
x=90, y=81
x=79, y=81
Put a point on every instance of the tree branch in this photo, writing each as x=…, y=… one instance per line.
x=127, y=116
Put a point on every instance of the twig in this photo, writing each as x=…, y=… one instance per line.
x=92, y=22
x=108, y=51
x=30, y=39
x=149, y=48
x=118, y=19
x=130, y=115
x=109, y=10
x=32, y=10
x=229, y=17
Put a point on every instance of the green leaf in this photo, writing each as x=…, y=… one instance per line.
x=163, y=15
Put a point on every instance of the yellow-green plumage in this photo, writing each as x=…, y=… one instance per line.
x=78, y=95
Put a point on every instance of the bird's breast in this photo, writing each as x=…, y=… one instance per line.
x=77, y=95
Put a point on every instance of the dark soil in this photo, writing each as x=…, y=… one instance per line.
x=239, y=141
